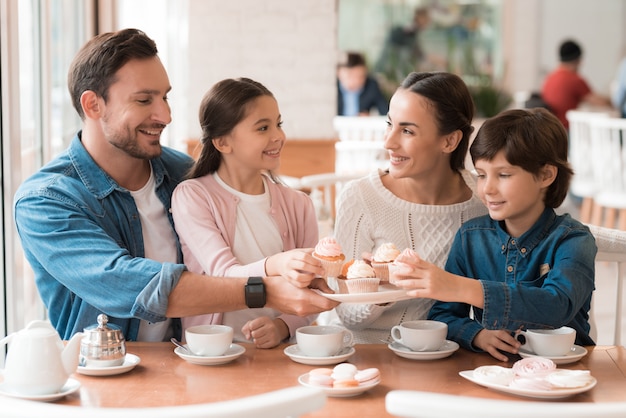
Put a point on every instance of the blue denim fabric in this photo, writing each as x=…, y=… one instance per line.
x=81, y=233
x=543, y=279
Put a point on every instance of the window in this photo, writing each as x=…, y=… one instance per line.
x=38, y=121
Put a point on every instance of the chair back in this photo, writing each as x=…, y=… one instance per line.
x=324, y=189
x=611, y=245
x=360, y=148
x=609, y=158
x=289, y=402
x=419, y=404
x=581, y=150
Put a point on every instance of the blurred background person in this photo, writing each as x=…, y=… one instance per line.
x=403, y=52
x=564, y=89
x=358, y=92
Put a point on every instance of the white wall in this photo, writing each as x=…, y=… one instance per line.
x=289, y=46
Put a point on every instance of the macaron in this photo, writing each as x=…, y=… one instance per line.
x=367, y=375
x=321, y=380
x=321, y=370
x=345, y=383
x=344, y=371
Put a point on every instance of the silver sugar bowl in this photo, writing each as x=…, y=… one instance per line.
x=102, y=345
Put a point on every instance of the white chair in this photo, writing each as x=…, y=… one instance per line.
x=419, y=404
x=608, y=155
x=325, y=189
x=580, y=157
x=360, y=148
x=611, y=245
x=290, y=402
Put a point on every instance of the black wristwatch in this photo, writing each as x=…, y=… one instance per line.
x=255, y=292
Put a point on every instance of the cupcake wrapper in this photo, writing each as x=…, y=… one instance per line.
x=391, y=268
x=342, y=286
x=362, y=285
x=382, y=270
x=331, y=268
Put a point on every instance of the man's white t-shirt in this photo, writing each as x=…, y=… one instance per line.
x=159, y=243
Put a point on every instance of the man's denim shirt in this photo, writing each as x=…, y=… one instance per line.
x=81, y=233
x=543, y=279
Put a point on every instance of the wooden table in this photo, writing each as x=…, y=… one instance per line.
x=164, y=379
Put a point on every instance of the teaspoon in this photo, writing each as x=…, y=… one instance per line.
x=178, y=344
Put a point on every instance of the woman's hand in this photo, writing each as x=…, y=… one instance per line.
x=298, y=266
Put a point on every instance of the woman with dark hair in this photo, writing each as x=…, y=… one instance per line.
x=234, y=219
x=523, y=266
x=420, y=201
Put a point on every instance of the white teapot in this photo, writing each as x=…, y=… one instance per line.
x=38, y=363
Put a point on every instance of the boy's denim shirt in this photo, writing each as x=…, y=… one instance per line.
x=81, y=233
x=543, y=279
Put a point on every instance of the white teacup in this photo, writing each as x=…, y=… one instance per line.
x=549, y=342
x=209, y=340
x=323, y=340
x=421, y=335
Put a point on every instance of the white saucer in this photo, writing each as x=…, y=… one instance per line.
x=294, y=353
x=339, y=392
x=576, y=353
x=231, y=354
x=446, y=350
x=386, y=293
x=130, y=361
x=70, y=386
x=529, y=393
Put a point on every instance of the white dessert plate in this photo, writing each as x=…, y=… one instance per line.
x=231, y=354
x=576, y=353
x=386, y=293
x=294, y=353
x=130, y=361
x=339, y=392
x=446, y=350
x=530, y=393
x=70, y=387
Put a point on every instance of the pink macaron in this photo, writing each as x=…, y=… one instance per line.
x=367, y=375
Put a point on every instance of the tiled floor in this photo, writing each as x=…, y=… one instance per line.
x=605, y=296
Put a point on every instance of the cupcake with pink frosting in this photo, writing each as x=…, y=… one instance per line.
x=382, y=258
x=395, y=265
x=329, y=252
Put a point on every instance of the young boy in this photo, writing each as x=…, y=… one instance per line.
x=522, y=266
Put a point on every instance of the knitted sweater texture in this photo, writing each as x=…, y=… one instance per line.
x=369, y=215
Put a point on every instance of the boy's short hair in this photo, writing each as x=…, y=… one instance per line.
x=530, y=139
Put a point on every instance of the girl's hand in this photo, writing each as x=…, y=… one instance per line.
x=265, y=332
x=298, y=266
x=494, y=341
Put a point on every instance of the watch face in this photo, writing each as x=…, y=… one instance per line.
x=255, y=292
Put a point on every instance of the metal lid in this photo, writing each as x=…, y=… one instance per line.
x=101, y=334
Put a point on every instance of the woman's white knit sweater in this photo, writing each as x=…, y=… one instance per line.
x=368, y=215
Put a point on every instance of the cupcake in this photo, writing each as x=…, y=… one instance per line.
x=391, y=267
x=382, y=257
x=328, y=251
x=358, y=277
